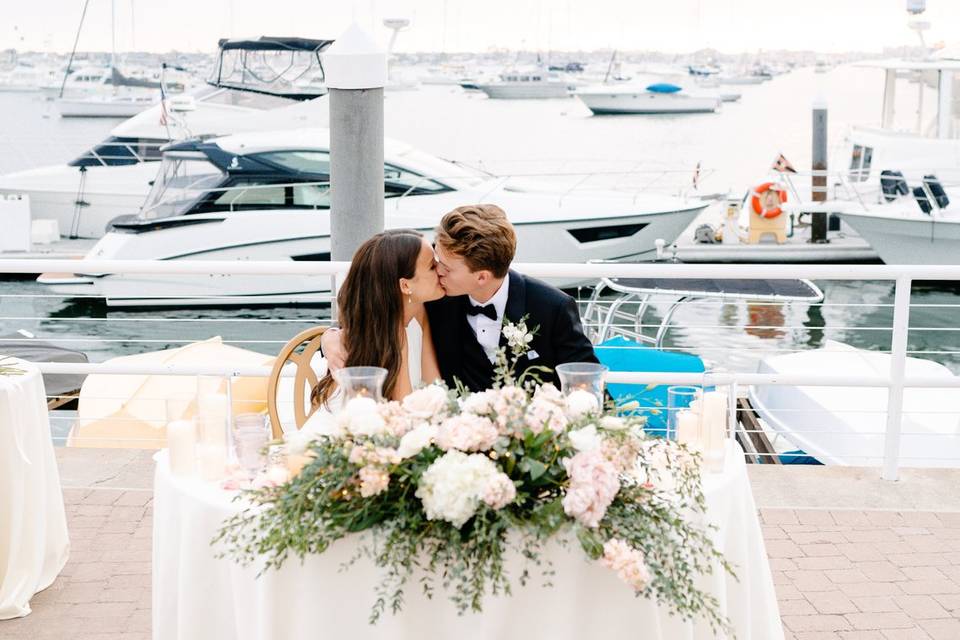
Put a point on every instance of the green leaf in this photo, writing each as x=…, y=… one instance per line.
x=535, y=468
x=590, y=542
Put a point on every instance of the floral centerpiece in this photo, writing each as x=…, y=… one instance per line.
x=447, y=481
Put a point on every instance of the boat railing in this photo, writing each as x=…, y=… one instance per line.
x=174, y=328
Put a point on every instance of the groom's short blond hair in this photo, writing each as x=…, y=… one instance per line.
x=481, y=235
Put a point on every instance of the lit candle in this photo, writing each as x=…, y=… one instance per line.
x=181, y=444
x=211, y=460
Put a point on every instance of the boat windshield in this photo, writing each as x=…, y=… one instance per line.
x=181, y=181
x=446, y=172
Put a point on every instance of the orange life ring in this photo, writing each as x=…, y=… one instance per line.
x=758, y=206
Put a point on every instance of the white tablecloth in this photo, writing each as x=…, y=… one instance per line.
x=33, y=524
x=197, y=596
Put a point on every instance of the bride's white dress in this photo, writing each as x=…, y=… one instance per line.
x=319, y=364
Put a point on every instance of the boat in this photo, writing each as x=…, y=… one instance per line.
x=265, y=196
x=531, y=84
x=899, y=192
x=659, y=98
x=847, y=425
x=113, y=177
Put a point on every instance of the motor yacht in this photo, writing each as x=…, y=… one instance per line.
x=658, y=98
x=537, y=83
x=900, y=191
x=113, y=177
x=265, y=196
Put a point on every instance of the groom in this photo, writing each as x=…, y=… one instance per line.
x=475, y=245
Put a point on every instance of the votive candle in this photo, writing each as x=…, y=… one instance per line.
x=181, y=445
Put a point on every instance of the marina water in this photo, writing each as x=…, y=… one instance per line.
x=540, y=140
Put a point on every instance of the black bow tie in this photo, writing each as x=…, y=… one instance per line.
x=487, y=310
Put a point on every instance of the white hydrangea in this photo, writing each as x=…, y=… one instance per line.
x=430, y=402
x=453, y=486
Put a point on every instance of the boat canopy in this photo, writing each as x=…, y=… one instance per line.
x=285, y=67
x=663, y=87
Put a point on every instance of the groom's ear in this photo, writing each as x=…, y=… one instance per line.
x=484, y=276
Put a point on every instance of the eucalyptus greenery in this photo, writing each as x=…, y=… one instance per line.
x=658, y=510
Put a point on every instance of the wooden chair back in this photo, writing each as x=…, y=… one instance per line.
x=309, y=340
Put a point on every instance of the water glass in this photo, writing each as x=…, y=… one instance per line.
x=678, y=398
x=250, y=445
x=582, y=376
x=361, y=382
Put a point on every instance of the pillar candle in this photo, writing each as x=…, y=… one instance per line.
x=715, y=429
x=688, y=429
x=181, y=444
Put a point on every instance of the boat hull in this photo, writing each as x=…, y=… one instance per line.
x=646, y=103
x=524, y=91
x=230, y=238
x=909, y=238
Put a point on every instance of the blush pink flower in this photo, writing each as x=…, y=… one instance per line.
x=499, y=492
x=627, y=562
x=373, y=480
x=467, y=432
x=593, y=486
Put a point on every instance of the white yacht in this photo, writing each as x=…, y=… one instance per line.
x=537, y=83
x=658, y=98
x=265, y=196
x=114, y=176
x=900, y=193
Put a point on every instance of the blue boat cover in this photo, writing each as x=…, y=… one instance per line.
x=663, y=87
x=620, y=354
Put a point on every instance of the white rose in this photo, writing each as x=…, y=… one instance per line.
x=428, y=402
x=585, y=439
x=580, y=403
x=360, y=417
x=415, y=440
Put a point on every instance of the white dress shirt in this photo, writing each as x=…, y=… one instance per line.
x=487, y=330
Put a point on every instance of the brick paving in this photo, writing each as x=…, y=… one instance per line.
x=104, y=590
x=839, y=575
x=865, y=575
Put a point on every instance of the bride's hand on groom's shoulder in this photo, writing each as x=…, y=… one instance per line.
x=332, y=349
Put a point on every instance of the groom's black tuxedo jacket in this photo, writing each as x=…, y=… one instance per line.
x=559, y=336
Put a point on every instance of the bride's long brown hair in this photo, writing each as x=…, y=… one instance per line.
x=371, y=306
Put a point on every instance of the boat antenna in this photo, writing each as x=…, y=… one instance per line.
x=73, y=51
x=613, y=57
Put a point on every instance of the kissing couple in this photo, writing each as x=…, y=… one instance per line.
x=427, y=313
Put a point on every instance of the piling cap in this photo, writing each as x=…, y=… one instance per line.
x=355, y=61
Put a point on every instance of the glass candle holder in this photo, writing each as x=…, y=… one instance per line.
x=678, y=398
x=584, y=377
x=361, y=382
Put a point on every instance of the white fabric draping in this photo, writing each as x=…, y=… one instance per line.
x=34, y=544
x=198, y=596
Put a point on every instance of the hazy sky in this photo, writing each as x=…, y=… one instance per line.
x=478, y=25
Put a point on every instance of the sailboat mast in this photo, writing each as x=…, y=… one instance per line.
x=113, y=34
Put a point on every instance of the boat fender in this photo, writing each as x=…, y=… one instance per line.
x=759, y=203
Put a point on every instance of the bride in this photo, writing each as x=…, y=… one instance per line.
x=382, y=314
